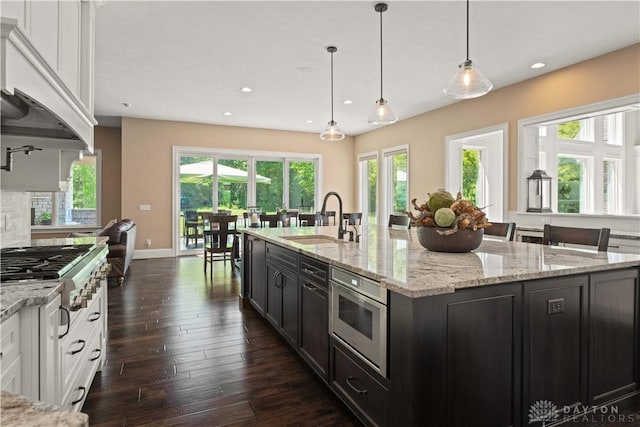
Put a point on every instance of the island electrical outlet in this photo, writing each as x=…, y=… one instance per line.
x=555, y=306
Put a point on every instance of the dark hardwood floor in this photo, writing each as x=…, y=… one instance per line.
x=181, y=352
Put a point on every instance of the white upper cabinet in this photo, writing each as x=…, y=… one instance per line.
x=62, y=31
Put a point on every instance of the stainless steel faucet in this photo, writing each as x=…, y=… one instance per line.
x=323, y=212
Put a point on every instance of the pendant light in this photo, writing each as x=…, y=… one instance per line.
x=332, y=132
x=468, y=82
x=382, y=114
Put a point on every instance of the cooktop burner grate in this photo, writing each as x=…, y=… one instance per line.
x=39, y=262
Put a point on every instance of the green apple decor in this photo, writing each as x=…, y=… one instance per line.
x=445, y=224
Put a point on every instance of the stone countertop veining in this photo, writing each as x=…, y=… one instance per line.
x=19, y=411
x=396, y=259
x=16, y=295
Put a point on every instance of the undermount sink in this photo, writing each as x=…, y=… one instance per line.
x=315, y=239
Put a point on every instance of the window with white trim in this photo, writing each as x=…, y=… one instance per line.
x=396, y=180
x=78, y=206
x=368, y=186
x=588, y=158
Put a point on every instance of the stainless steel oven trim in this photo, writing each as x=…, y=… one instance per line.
x=379, y=365
x=359, y=284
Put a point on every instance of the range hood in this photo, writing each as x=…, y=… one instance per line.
x=36, y=103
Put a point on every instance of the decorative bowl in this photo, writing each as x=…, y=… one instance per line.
x=460, y=241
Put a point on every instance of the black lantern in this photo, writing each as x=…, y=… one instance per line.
x=539, y=196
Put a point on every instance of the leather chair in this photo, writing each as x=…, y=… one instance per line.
x=311, y=219
x=502, y=229
x=598, y=237
x=399, y=220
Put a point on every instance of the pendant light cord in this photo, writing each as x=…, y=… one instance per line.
x=467, y=30
x=332, y=87
x=381, y=54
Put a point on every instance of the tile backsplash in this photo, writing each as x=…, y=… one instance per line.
x=15, y=218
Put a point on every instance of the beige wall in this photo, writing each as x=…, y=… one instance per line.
x=147, y=165
x=108, y=140
x=609, y=76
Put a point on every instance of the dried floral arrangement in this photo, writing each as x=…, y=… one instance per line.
x=442, y=210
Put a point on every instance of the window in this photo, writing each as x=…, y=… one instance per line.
x=269, y=195
x=396, y=180
x=78, y=206
x=588, y=157
x=368, y=186
x=475, y=165
x=302, y=189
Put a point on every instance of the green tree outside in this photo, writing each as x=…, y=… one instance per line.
x=569, y=173
x=470, y=172
x=569, y=130
x=84, y=187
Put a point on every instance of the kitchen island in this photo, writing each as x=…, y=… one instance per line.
x=469, y=339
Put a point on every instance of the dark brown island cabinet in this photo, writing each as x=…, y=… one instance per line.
x=497, y=355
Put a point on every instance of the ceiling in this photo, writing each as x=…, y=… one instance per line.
x=187, y=61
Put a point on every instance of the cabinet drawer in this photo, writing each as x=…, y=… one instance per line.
x=284, y=257
x=314, y=270
x=9, y=340
x=366, y=396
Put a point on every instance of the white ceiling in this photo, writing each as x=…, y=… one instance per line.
x=188, y=60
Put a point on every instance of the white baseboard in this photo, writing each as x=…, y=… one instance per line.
x=153, y=253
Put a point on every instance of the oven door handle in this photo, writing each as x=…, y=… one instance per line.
x=360, y=297
x=66, y=310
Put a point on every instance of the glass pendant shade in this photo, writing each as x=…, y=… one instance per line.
x=468, y=82
x=332, y=132
x=382, y=114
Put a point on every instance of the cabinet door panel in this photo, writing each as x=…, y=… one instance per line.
x=257, y=287
x=289, y=281
x=273, y=310
x=44, y=30
x=70, y=44
x=481, y=355
x=613, y=335
x=314, y=333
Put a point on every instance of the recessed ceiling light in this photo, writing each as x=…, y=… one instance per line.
x=227, y=113
x=308, y=121
x=305, y=69
x=348, y=101
x=246, y=89
x=538, y=65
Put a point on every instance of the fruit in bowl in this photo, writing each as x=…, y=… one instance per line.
x=445, y=224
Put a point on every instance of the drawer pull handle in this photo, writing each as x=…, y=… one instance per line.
x=66, y=310
x=99, y=350
x=93, y=319
x=83, y=342
x=84, y=393
x=310, y=287
x=354, y=388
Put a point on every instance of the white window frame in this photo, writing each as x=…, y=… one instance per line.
x=529, y=144
x=221, y=153
x=493, y=141
x=363, y=182
x=387, y=155
x=82, y=227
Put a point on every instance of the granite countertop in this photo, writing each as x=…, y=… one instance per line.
x=15, y=295
x=19, y=411
x=396, y=259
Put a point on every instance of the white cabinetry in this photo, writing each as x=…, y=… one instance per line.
x=63, y=33
x=10, y=366
x=49, y=366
